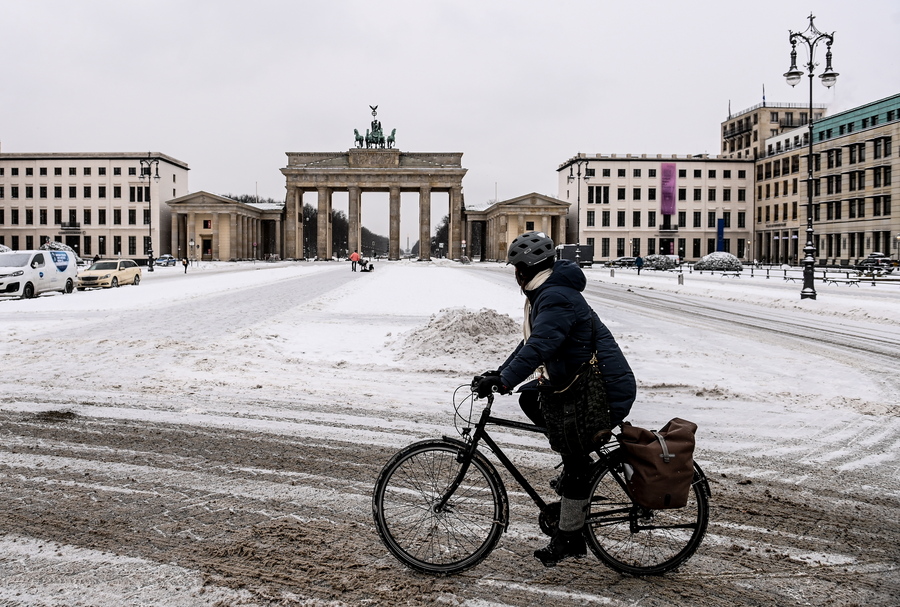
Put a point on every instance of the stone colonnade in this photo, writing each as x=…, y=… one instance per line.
x=370, y=170
x=503, y=221
x=224, y=229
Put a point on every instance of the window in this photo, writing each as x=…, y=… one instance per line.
x=87, y=171
x=590, y=219
x=621, y=172
x=42, y=217
x=711, y=195
x=87, y=191
x=86, y=219
x=698, y=194
x=587, y=173
x=773, y=117
x=101, y=171
x=636, y=173
x=14, y=191
x=132, y=217
x=620, y=247
x=57, y=191
x=726, y=173
x=29, y=191
x=651, y=194
x=620, y=194
x=42, y=192
x=698, y=219
x=604, y=218
x=636, y=193
x=606, y=172
x=604, y=245
x=712, y=173
x=101, y=191
x=117, y=191
x=682, y=172
x=651, y=219
x=696, y=247
x=682, y=218
x=132, y=245
x=132, y=171
x=117, y=218
x=636, y=219
x=742, y=220
x=682, y=194
x=57, y=171
x=620, y=219
x=14, y=171
x=207, y=224
x=651, y=246
x=698, y=173
x=635, y=247
x=73, y=171
x=29, y=217
x=726, y=195
x=101, y=217
x=14, y=216
x=711, y=219
x=726, y=219
x=651, y=172
x=57, y=216
x=73, y=191
x=117, y=171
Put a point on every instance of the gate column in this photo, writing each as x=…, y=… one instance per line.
x=425, y=223
x=354, y=228
x=394, y=232
x=455, y=222
x=323, y=242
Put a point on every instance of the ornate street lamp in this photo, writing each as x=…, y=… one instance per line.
x=811, y=37
x=573, y=176
x=146, y=164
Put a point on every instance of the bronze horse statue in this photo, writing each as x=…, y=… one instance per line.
x=391, y=138
x=358, y=139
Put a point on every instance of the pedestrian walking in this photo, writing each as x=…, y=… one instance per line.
x=184, y=262
x=354, y=259
x=639, y=263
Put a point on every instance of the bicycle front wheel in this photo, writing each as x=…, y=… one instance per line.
x=638, y=541
x=439, y=540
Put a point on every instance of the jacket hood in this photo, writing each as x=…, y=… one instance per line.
x=565, y=274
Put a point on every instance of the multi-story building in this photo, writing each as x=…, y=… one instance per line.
x=673, y=205
x=744, y=134
x=95, y=203
x=854, y=162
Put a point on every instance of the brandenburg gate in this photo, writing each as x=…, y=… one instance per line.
x=373, y=168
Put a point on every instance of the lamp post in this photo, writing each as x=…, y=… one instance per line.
x=146, y=164
x=577, y=164
x=811, y=37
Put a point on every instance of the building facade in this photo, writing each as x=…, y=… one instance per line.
x=854, y=189
x=629, y=205
x=744, y=134
x=502, y=221
x=95, y=203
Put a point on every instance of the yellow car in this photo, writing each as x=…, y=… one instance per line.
x=109, y=273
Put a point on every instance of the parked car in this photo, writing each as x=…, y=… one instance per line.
x=27, y=274
x=876, y=262
x=109, y=273
x=622, y=262
x=165, y=260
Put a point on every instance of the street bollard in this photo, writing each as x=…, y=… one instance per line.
x=681, y=279
x=612, y=272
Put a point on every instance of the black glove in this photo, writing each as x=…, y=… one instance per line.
x=490, y=373
x=483, y=386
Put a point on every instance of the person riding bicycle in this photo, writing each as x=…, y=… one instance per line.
x=557, y=340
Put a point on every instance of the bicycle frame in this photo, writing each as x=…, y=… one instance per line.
x=480, y=434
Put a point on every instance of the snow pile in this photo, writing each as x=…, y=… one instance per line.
x=4, y=248
x=480, y=337
x=659, y=262
x=720, y=260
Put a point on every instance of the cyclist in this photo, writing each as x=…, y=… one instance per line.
x=557, y=336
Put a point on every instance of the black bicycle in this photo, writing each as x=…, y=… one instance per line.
x=440, y=506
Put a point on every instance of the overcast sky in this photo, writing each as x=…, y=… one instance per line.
x=517, y=86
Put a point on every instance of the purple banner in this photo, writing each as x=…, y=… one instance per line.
x=667, y=184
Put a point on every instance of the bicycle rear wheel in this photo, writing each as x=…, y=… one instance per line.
x=450, y=540
x=637, y=541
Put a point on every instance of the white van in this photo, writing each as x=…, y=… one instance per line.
x=27, y=274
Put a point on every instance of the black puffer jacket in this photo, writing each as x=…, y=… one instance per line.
x=560, y=340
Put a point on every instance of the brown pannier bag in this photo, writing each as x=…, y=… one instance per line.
x=662, y=463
